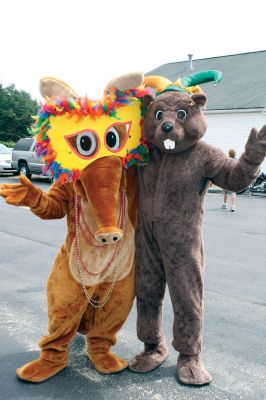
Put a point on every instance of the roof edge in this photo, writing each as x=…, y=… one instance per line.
x=234, y=110
x=207, y=58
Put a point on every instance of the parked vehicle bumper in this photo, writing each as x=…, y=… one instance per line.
x=6, y=167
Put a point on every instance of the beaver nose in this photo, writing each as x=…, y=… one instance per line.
x=167, y=127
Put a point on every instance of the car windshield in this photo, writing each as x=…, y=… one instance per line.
x=4, y=149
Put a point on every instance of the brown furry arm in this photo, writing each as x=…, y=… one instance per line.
x=236, y=176
x=54, y=204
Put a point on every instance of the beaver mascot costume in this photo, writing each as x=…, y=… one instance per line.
x=169, y=244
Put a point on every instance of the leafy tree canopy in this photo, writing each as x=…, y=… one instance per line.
x=16, y=109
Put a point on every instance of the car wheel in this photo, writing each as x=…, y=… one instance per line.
x=24, y=170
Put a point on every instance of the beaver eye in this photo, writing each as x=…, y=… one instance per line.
x=158, y=115
x=181, y=114
x=86, y=143
x=113, y=139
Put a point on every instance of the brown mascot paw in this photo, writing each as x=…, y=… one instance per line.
x=262, y=135
x=107, y=363
x=22, y=194
x=191, y=371
x=152, y=356
x=39, y=370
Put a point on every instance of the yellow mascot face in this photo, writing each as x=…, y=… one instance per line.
x=80, y=141
x=73, y=132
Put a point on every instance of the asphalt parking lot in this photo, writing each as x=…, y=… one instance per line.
x=235, y=312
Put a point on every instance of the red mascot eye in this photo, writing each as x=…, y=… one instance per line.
x=112, y=139
x=84, y=143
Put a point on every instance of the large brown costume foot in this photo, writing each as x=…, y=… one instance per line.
x=152, y=356
x=191, y=371
x=107, y=363
x=39, y=370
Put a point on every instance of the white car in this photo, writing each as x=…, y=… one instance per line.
x=5, y=160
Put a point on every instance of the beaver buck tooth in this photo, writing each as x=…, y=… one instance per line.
x=169, y=144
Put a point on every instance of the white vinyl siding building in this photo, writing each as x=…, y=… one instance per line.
x=229, y=129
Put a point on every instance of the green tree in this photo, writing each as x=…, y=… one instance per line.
x=16, y=109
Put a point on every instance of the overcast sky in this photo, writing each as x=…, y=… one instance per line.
x=88, y=42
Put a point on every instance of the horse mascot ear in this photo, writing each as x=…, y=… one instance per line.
x=52, y=87
x=126, y=82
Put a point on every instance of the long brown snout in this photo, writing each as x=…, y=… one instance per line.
x=101, y=183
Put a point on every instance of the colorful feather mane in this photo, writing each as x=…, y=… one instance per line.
x=81, y=107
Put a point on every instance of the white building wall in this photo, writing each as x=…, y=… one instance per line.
x=230, y=130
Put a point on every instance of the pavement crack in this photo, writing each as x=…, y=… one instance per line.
x=30, y=239
x=255, y=233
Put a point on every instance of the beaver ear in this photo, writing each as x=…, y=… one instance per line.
x=147, y=100
x=200, y=99
x=53, y=87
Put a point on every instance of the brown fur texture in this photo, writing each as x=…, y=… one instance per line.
x=169, y=242
x=68, y=308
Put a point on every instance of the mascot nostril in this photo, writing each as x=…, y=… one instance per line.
x=108, y=236
x=167, y=127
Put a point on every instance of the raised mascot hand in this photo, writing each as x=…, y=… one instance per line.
x=262, y=136
x=255, y=149
x=257, y=140
x=23, y=194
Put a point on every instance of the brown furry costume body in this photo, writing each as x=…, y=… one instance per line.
x=99, y=192
x=169, y=234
